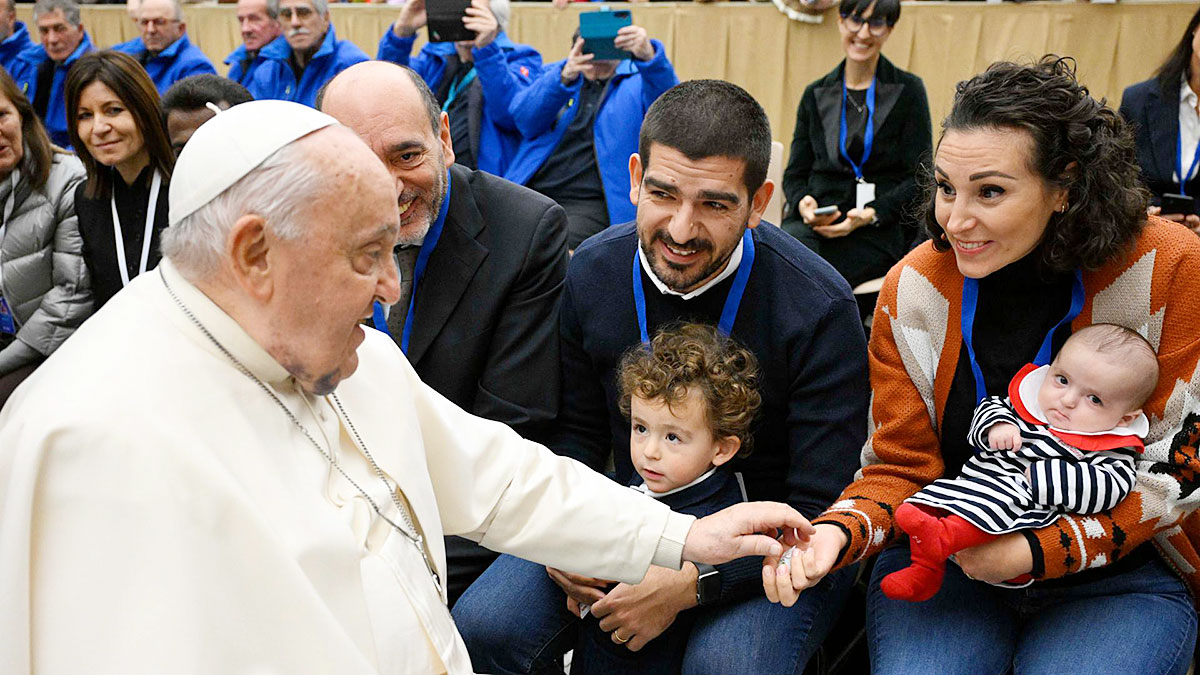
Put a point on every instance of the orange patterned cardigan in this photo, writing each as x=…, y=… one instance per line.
x=915, y=341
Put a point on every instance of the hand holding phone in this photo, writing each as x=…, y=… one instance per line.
x=814, y=215
x=1177, y=204
x=825, y=210
x=445, y=20
x=599, y=31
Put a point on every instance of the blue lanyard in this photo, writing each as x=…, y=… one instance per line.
x=1179, y=161
x=970, y=300
x=427, y=246
x=732, y=301
x=457, y=87
x=868, y=136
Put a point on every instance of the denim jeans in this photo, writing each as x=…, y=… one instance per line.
x=514, y=621
x=1140, y=621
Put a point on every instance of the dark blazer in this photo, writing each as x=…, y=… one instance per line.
x=903, y=140
x=485, y=332
x=1154, y=115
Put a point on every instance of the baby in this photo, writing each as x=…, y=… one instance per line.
x=690, y=397
x=1064, y=441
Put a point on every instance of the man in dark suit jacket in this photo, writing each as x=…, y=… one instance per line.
x=488, y=258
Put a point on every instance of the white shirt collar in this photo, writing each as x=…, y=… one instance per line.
x=730, y=268
x=1028, y=389
x=659, y=495
x=1186, y=95
x=223, y=327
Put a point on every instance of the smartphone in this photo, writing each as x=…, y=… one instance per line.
x=824, y=210
x=1174, y=203
x=598, y=30
x=445, y=20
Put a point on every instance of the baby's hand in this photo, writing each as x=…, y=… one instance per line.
x=1004, y=436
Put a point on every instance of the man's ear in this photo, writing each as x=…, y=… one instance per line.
x=759, y=201
x=635, y=177
x=446, y=139
x=247, y=250
x=727, y=449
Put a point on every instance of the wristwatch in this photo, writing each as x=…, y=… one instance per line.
x=708, y=584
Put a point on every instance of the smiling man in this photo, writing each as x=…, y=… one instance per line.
x=296, y=68
x=164, y=49
x=259, y=25
x=698, y=251
x=45, y=73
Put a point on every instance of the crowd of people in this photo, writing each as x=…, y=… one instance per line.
x=334, y=364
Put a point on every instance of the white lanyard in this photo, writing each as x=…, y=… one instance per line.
x=120, y=240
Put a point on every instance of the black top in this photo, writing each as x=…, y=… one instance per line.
x=856, y=123
x=459, y=108
x=570, y=172
x=96, y=229
x=45, y=80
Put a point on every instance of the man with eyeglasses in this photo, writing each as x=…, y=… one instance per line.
x=296, y=69
x=164, y=49
x=41, y=71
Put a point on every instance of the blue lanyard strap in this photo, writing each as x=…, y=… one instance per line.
x=970, y=302
x=732, y=301
x=427, y=246
x=1179, y=160
x=868, y=135
x=457, y=87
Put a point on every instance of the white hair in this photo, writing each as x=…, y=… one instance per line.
x=502, y=11
x=280, y=190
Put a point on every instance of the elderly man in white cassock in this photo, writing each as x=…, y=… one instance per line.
x=223, y=472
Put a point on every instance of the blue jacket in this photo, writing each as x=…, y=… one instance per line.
x=11, y=48
x=274, y=77
x=544, y=111
x=56, y=107
x=180, y=59
x=235, y=59
x=504, y=68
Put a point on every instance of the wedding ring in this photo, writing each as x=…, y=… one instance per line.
x=619, y=640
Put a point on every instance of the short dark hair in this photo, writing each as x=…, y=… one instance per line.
x=432, y=108
x=1077, y=142
x=1179, y=62
x=191, y=93
x=127, y=79
x=888, y=9
x=710, y=118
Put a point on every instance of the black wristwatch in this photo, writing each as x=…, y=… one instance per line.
x=708, y=584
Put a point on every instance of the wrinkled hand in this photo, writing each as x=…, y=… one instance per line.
x=855, y=218
x=634, y=40
x=412, y=17
x=642, y=612
x=577, y=62
x=480, y=19
x=1000, y=559
x=806, y=207
x=1004, y=436
x=809, y=564
x=580, y=590
x=741, y=530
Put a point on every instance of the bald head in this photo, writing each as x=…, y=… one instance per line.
x=376, y=87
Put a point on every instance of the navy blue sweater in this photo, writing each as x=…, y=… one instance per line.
x=797, y=316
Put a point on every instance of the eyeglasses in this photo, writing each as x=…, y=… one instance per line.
x=876, y=25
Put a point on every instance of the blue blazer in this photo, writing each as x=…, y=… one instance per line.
x=1155, y=119
x=239, y=55
x=274, y=77
x=545, y=110
x=56, y=108
x=179, y=60
x=505, y=68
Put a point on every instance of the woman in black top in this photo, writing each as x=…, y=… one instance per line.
x=113, y=118
x=837, y=161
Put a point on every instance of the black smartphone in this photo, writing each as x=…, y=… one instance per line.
x=1175, y=203
x=444, y=19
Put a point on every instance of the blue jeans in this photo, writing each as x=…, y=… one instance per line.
x=1139, y=621
x=514, y=621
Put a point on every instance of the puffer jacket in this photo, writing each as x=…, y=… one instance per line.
x=42, y=275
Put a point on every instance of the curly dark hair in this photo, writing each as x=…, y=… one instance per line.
x=686, y=356
x=1078, y=143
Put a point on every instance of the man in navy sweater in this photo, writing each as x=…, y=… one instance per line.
x=697, y=253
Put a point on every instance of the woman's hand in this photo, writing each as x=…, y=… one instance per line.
x=809, y=564
x=806, y=207
x=1191, y=222
x=1000, y=559
x=855, y=218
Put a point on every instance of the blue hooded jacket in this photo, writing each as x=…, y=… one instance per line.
x=180, y=59
x=56, y=108
x=235, y=59
x=11, y=49
x=504, y=68
x=274, y=78
x=543, y=112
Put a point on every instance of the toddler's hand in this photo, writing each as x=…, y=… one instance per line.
x=1004, y=436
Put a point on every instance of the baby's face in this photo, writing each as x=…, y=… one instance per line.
x=1087, y=391
x=670, y=447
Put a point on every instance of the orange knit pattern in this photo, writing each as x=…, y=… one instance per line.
x=915, y=342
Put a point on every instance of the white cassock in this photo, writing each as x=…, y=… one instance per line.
x=160, y=513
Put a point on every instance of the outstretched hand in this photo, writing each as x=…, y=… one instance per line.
x=743, y=530
x=809, y=563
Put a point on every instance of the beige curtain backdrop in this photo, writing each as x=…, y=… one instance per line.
x=758, y=48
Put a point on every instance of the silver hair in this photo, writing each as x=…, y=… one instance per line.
x=176, y=8
x=69, y=9
x=280, y=190
x=319, y=6
x=502, y=11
